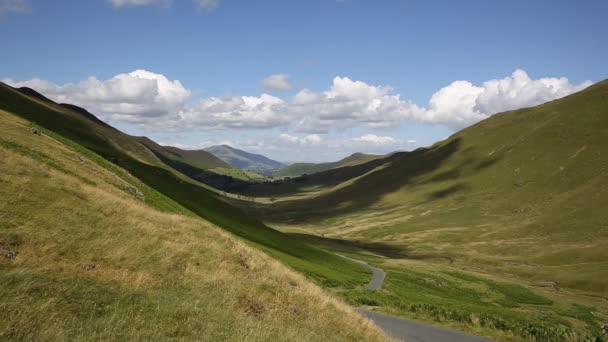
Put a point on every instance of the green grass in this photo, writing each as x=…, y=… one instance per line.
x=520, y=197
x=324, y=267
x=97, y=262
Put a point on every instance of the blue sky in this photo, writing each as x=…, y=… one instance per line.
x=350, y=75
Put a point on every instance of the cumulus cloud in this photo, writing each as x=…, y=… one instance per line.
x=134, y=97
x=461, y=103
x=207, y=5
x=15, y=6
x=349, y=102
x=132, y=3
x=276, y=82
x=157, y=103
x=232, y=111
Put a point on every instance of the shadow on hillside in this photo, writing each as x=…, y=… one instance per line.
x=379, y=248
x=370, y=189
x=450, y=190
x=320, y=180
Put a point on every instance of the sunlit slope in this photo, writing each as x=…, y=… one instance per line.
x=85, y=255
x=523, y=192
x=134, y=156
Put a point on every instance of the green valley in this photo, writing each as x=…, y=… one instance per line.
x=500, y=229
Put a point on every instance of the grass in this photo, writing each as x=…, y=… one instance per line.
x=133, y=155
x=96, y=261
x=519, y=197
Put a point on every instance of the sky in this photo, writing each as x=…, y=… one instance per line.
x=311, y=80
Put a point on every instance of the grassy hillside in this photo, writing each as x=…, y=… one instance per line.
x=88, y=254
x=207, y=161
x=518, y=199
x=134, y=155
x=245, y=160
x=298, y=169
x=199, y=158
x=309, y=185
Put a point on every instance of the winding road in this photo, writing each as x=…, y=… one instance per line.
x=404, y=329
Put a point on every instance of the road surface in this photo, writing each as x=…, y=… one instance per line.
x=405, y=329
x=412, y=331
x=377, y=276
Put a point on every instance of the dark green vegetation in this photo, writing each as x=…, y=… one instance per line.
x=245, y=160
x=139, y=156
x=299, y=169
x=518, y=200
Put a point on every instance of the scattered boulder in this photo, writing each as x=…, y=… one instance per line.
x=36, y=132
x=135, y=191
x=7, y=251
x=89, y=267
x=554, y=285
x=12, y=255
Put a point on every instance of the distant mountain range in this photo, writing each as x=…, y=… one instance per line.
x=245, y=160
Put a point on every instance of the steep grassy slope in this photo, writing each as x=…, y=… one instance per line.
x=136, y=157
x=245, y=160
x=519, y=198
x=85, y=256
x=298, y=169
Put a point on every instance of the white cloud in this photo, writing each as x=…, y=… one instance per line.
x=347, y=103
x=308, y=140
x=157, y=103
x=207, y=5
x=461, y=103
x=373, y=139
x=276, y=82
x=132, y=3
x=134, y=97
x=16, y=6
x=230, y=111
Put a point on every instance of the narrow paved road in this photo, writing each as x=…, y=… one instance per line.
x=412, y=331
x=404, y=329
x=377, y=276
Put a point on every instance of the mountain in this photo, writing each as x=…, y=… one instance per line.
x=99, y=230
x=512, y=211
x=244, y=160
x=298, y=169
x=199, y=158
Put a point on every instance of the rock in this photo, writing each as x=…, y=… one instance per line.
x=12, y=255
x=550, y=284
x=7, y=251
x=89, y=267
x=35, y=131
x=135, y=191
